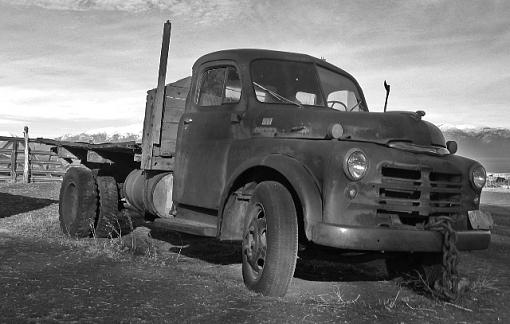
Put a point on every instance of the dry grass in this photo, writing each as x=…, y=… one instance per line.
x=43, y=224
x=483, y=283
x=205, y=263
x=334, y=299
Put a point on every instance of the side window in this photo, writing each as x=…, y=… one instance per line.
x=232, y=86
x=211, y=90
x=306, y=98
x=219, y=86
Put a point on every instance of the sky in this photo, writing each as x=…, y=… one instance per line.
x=70, y=66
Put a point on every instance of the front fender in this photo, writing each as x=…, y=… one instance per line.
x=298, y=176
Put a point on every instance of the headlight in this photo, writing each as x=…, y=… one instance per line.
x=355, y=164
x=478, y=177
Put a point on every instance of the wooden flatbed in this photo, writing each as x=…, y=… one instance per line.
x=103, y=153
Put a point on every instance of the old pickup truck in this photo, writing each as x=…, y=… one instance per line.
x=280, y=152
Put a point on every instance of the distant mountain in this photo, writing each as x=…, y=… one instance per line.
x=490, y=146
x=100, y=138
x=106, y=135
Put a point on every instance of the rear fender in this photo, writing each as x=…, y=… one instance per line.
x=304, y=186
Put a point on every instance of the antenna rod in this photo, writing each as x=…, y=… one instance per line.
x=387, y=87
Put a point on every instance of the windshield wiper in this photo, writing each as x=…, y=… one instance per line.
x=278, y=96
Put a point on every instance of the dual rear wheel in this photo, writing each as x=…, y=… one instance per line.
x=89, y=204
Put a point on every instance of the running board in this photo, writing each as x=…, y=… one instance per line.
x=187, y=226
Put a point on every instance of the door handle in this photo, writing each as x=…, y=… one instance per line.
x=187, y=121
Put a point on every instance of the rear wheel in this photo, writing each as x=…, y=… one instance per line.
x=109, y=222
x=78, y=202
x=270, y=240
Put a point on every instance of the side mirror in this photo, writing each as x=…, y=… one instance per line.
x=451, y=146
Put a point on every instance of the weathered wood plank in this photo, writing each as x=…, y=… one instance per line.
x=10, y=139
x=160, y=93
x=40, y=163
x=14, y=154
x=169, y=139
x=122, y=147
x=26, y=165
x=162, y=163
x=175, y=102
x=147, y=145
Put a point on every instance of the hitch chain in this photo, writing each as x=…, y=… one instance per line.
x=448, y=285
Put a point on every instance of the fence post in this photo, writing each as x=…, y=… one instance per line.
x=14, y=155
x=26, y=168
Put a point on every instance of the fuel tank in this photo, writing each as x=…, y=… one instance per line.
x=150, y=192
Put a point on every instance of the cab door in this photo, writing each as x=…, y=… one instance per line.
x=206, y=132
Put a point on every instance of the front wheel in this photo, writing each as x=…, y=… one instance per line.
x=270, y=240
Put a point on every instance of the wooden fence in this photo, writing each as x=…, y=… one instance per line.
x=28, y=160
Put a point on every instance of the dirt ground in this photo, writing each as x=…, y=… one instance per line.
x=172, y=277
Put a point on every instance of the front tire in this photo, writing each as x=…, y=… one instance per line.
x=77, y=206
x=270, y=240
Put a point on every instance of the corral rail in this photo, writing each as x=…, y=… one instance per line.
x=43, y=164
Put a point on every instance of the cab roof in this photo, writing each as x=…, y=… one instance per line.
x=246, y=56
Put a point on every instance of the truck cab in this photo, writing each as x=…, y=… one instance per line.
x=279, y=150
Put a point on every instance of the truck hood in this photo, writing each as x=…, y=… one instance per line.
x=381, y=128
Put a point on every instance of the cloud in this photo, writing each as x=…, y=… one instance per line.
x=61, y=104
x=83, y=5
x=125, y=129
x=202, y=12
x=10, y=121
x=92, y=61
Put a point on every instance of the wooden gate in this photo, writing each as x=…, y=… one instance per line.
x=43, y=165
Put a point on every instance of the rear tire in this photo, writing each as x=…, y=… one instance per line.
x=108, y=223
x=78, y=202
x=270, y=240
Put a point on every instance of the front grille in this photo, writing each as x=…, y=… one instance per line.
x=416, y=193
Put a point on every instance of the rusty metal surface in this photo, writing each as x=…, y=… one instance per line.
x=394, y=240
x=480, y=220
x=224, y=146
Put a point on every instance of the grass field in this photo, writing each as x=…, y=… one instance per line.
x=155, y=275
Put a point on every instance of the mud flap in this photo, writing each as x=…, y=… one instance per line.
x=480, y=220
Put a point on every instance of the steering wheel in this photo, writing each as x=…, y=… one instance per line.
x=333, y=102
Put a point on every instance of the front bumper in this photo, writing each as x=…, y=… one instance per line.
x=394, y=240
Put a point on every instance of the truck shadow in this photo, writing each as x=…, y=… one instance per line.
x=15, y=204
x=316, y=265
x=345, y=268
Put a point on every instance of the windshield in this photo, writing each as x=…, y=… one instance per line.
x=301, y=83
x=296, y=82
x=340, y=92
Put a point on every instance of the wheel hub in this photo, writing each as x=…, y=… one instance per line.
x=254, y=242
